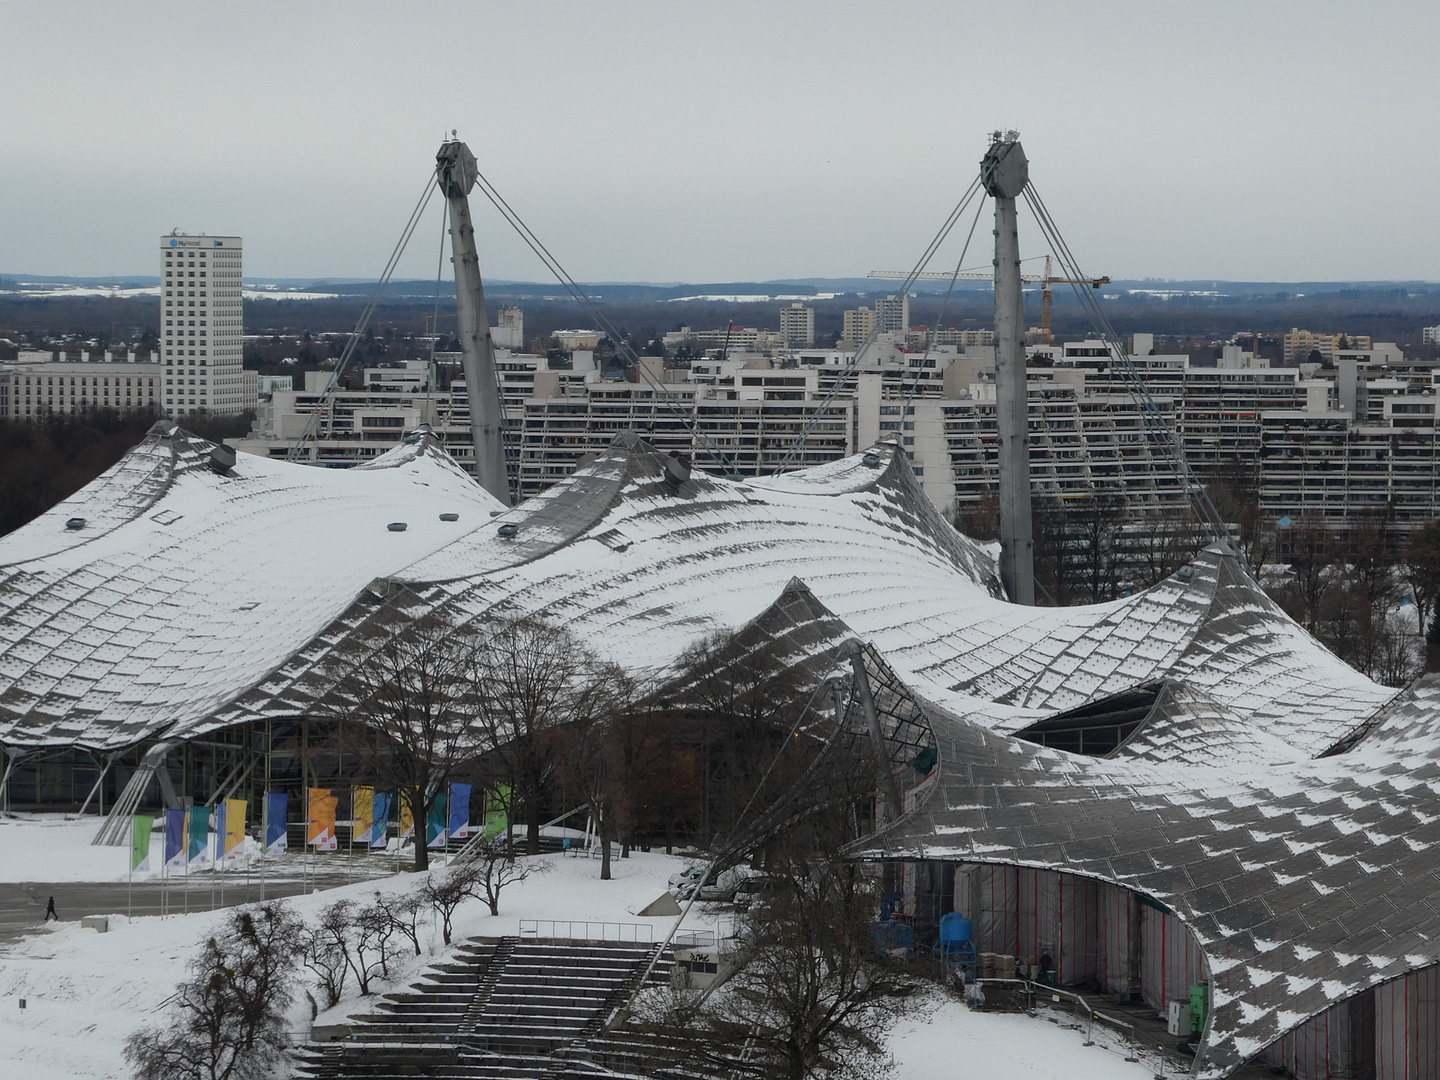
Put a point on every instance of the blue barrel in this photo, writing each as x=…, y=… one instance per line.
x=955, y=928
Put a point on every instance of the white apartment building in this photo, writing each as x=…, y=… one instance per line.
x=797, y=326
x=892, y=314
x=67, y=387
x=202, y=317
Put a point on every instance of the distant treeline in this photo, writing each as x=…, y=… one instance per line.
x=44, y=461
x=1383, y=313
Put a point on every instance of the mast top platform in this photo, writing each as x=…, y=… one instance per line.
x=1004, y=170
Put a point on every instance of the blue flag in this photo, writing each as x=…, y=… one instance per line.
x=459, y=811
x=380, y=831
x=277, y=807
x=175, y=838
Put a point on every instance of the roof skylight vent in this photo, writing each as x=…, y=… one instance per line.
x=677, y=470
x=871, y=460
x=1185, y=573
x=222, y=458
x=75, y=524
x=396, y=526
x=509, y=530
x=449, y=517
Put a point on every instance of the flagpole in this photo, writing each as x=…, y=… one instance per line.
x=130, y=875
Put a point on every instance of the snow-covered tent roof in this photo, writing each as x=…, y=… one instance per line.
x=1303, y=882
x=168, y=586
x=639, y=569
x=1280, y=803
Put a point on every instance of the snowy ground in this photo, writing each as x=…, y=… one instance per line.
x=948, y=1040
x=85, y=992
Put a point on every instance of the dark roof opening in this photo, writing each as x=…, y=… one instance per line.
x=1098, y=727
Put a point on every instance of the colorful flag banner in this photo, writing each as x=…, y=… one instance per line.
x=175, y=838
x=199, y=834
x=436, y=822
x=497, y=811
x=277, y=809
x=233, y=834
x=362, y=815
x=320, y=829
x=140, y=843
x=407, y=817
x=459, y=811
x=380, y=824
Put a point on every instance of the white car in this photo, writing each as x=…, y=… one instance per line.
x=683, y=883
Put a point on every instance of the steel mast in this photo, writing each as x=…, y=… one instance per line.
x=1004, y=172
x=456, y=171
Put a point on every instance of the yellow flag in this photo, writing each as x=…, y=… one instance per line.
x=407, y=819
x=362, y=811
x=234, y=825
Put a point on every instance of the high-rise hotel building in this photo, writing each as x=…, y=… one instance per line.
x=200, y=339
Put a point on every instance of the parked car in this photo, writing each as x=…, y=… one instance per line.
x=683, y=883
x=724, y=885
x=751, y=891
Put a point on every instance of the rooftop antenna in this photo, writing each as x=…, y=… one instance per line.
x=1004, y=172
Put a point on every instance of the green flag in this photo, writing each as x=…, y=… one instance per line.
x=497, y=811
x=140, y=843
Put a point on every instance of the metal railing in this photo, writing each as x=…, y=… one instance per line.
x=560, y=930
x=1083, y=1015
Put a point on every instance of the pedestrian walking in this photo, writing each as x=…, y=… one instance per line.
x=50, y=911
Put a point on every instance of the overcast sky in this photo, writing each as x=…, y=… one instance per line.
x=724, y=141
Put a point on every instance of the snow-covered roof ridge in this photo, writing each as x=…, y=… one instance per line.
x=177, y=602
x=119, y=494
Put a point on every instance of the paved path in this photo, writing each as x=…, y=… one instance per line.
x=22, y=906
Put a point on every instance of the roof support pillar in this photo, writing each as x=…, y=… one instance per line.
x=456, y=171
x=1004, y=173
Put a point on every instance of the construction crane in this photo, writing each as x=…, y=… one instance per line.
x=1044, y=281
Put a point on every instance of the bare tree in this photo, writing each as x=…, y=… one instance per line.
x=592, y=747
x=370, y=955
x=810, y=994
x=1310, y=551
x=1421, y=571
x=405, y=698
x=530, y=679
x=324, y=948
x=446, y=890
x=492, y=865
x=403, y=912
x=231, y=1011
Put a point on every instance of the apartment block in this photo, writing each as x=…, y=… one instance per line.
x=202, y=313
x=797, y=326
x=64, y=388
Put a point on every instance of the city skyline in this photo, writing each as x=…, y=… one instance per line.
x=1288, y=143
